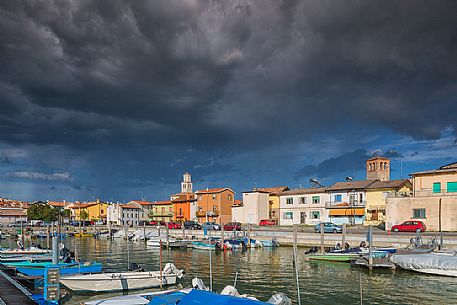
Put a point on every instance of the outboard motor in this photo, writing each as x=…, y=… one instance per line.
x=279, y=299
x=135, y=267
x=171, y=269
x=198, y=284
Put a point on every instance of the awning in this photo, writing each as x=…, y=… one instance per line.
x=347, y=212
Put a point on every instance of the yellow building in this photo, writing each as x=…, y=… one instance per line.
x=161, y=211
x=97, y=210
x=273, y=198
x=376, y=198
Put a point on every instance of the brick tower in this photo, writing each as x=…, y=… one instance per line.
x=378, y=168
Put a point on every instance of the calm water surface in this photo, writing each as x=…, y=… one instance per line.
x=262, y=272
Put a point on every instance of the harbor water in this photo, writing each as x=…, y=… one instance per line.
x=263, y=272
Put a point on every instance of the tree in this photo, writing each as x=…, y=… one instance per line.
x=83, y=215
x=42, y=212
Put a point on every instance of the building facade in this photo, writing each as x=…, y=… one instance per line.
x=274, y=208
x=144, y=211
x=185, y=203
x=124, y=214
x=255, y=207
x=215, y=205
x=96, y=211
x=162, y=211
x=378, y=168
x=303, y=206
x=433, y=200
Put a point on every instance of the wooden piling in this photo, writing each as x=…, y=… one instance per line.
x=160, y=263
x=222, y=236
x=48, y=244
x=183, y=231
x=167, y=236
x=370, y=253
x=343, y=237
x=144, y=231
x=322, y=238
x=296, y=264
x=126, y=232
x=249, y=235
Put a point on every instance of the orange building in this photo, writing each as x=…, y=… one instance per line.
x=215, y=205
x=184, y=206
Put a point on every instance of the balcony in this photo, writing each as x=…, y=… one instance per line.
x=214, y=213
x=162, y=214
x=345, y=205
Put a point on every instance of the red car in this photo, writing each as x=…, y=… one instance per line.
x=153, y=223
x=267, y=222
x=232, y=226
x=174, y=225
x=409, y=226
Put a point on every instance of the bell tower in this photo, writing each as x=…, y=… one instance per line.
x=186, y=184
x=378, y=168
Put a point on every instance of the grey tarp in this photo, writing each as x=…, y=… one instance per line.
x=425, y=261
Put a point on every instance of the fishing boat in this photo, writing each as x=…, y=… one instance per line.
x=332, y=257
x=270, y=243
x=180, y=243
x=104, y=282
x=430, y=263
x=203, y=246
x=37, y=268
x=83, y=234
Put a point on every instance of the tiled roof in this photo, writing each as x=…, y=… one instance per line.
x=273, y=190
x=351, y=185
x=165, y=202
x=129, y=206
x=57, y=203
x=304, y=191
x=12, y=212
x=237, y=202
x=142, y=202
x=396, y=184
x=449, y=168
x=213, y=191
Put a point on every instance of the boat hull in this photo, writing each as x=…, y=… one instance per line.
x=333, y=257
x=203, y=246
x=64, y=270
x=117, y=281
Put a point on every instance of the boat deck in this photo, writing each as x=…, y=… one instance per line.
x=12, y=293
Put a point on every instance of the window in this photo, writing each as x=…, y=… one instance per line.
x=170, y=209
x=452, y=187
x=229, y=196
x=199, y=197
x=316, y=199
x=214, y=208
x=289, y=200
x=303, y=200
x=180, y=211
x=214, y=196
x=337, y=198
x=315, y=215
x=437, y=187
x=163, y=210
x=418, y=213
x=288, y=215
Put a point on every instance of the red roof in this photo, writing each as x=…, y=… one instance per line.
x=12, y=212
x=237, y=202
x=57, y=203
x=142, y=202
x=165, y=202
x=129, y=206
x=213, y=191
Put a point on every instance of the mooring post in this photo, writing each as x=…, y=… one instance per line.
x=48, y=244
x=168, y=236
x=222, y=236
x=370, y=249
x=343, y=238
x=296, y=264
x=144, y=231
x=249, y=235
x=322, y=238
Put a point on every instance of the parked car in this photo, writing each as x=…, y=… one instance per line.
x=74, y=223
x=410, y=226
x=267, y=222
x=232, y=226
x=17, y=224
x=153, y=223
x=211, y=226
x=174, y=225
x=192, y=225
x=329, y=227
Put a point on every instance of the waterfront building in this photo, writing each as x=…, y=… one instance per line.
x=145, y=208
x=96, y=211
x=347, y=201
x=162, y=211
x=433, y=200
x=185, y=202
x=124, y=214
x=274, y=212
x=376, y=198
x=255, y=207
x=215, y=205
x=303, y=206
x=10, y=214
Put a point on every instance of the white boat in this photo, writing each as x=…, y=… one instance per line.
x=104, y=282
x=431, y=263
x=135, y=299
x=31, y=250
x=155, y=241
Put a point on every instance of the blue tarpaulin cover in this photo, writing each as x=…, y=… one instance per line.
x=204, y=297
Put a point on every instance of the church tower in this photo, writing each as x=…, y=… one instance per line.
x=186, y=184
x=378, y=168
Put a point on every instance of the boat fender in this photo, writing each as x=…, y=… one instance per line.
x=279, y=299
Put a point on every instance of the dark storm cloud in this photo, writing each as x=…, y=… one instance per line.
x=219, y=72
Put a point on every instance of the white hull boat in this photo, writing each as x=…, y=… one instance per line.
x=155, y=242
x=25, y=251
x=104, y=282
x=429, y=263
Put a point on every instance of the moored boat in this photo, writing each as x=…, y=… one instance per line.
x=203, y=246
x=31, y=250
x=270, y=243
x=104, y=282
x=333, y=257
x=430, y=263
x=37, y=268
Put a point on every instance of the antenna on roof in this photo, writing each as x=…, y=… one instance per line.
x=315, y=183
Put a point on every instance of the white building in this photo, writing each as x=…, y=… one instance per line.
x=124, y=214
x=145, y=208
x=303, y=206
x=255, y=207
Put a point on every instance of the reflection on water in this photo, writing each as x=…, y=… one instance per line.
x=262, y=272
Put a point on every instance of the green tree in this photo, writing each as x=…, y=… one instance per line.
x=83, y=215
x=42, y=212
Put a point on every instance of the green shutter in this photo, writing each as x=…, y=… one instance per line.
x=437, y=187
x=452, y=187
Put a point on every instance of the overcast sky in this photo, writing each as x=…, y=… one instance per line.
x=116, y=99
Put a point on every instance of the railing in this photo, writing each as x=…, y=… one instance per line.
x=210, y=213
x=160, y=214
x=345, y=205
x=431, y=193
x=399, y=194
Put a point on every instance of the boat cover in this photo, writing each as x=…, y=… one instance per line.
x=425, y=261
x=206, y=298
